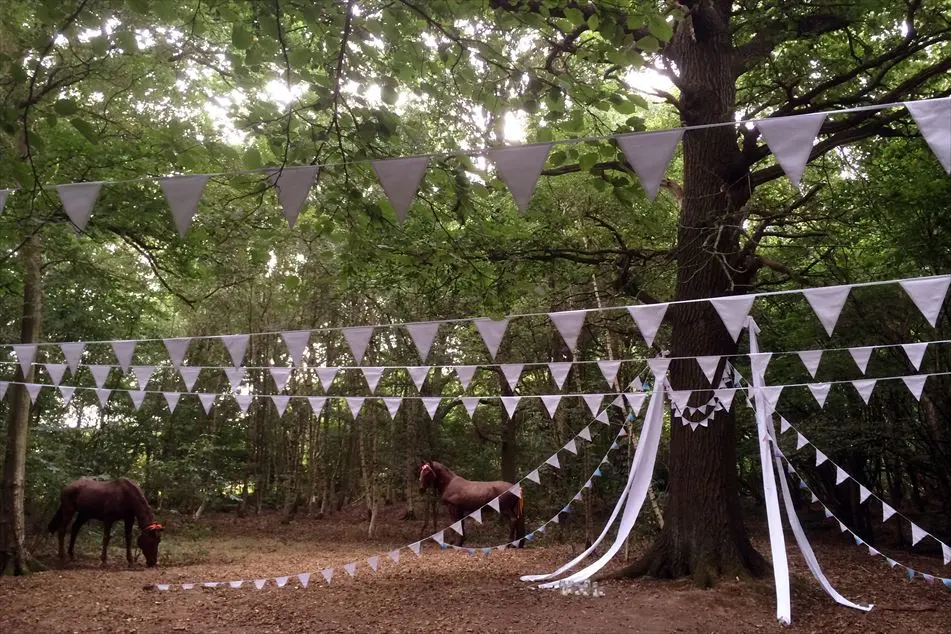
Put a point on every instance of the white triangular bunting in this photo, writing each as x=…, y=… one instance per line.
x=810, y=359
x=172, y=399
x=492, y=332
x=73, y=352
x=356, y=404
x=260, y=583
x=840, y=475
x=861, y=356
x=865, y=388
x=431, y=403
x=372, y=376
x=327, y=574
x=280, y=376
x=470, y=403
x=659, y=365
x=648, y=318
x=400, y=179
x=928, y=295
x=709, y=366
x=103, y=395
x=137, y=397
x=33, y=389
x=887, y=512
x=56, y=372
x=25, y=354
x=78, y=200
x=520, y=168
x=100, y=373
x=915, y=384
x=393, y=404
x=635, y=401
x=207, y=401
x=917, y=534
x=439, y=537
x=326, y=377
x=143, y=374
x=394, y=556
x=457, y=527
x=609, y=370
x=534, y=477
x=784, y=425
x=418, y=374
x=183, y=194
x=236, y=345
x=476, y=515
x=304, y=579
x=585, y=433
x=423, y=335
x=733, y=311
x=124, y=350
x=373, y=562
x=725, y=396
x=350, y=569
x=819, y=392
x=873, y=552
x=293, y=184
x=650, y=154
x=189, y=375
x=771, y=393
x=569, y=324
x=177, y=348
x=296, y=342
x=827, y=303
x=243, y=401
x=510, y=403
x=512, y=372
x=235, y=377
x=680, y=398
x=863, y=493
x=317, y=403
x=571, y=446
x=553, y=461
x=280, y=402
x=3, y=197
x=790, y=139
x=358, y=339
x=603, y=418
x=551, y=402
x=494, y=503
x=932, y=117
x=559, y=372
x=465, y=373
x=759, y=361
x=915, y=353
x=946, y=553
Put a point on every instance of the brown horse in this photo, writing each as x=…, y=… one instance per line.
x=108, y=502
x=462, y=497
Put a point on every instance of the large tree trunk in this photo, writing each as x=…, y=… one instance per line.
x=703, y=534
x=12, y=518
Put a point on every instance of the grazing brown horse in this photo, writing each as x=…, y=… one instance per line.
x=108, y=502
x=462, y=497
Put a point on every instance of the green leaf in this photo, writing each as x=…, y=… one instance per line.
x=240, y=37
x=594, y=21
x=626, y=107
x=588, y=161
x=252, y=159
x=389, y=94
x=127, y=41
x=558, y=157
x=66, y=107
x=544, y=135
x=658, y=27
x=86, y=129
x=575, y=16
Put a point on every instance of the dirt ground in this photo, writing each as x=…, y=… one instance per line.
x=441, y=591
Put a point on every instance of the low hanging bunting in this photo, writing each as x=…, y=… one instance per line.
x=293, y=185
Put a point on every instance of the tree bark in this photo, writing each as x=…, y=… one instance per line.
x=14, y=467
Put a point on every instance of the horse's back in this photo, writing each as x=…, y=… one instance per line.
x=98, y=499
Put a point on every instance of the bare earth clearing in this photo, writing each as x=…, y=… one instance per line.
x=442, y=591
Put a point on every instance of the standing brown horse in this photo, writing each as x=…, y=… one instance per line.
x=108, y=502
x=462, y=497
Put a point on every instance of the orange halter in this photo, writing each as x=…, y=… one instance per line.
x=154, y=526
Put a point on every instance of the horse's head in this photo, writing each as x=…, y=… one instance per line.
x=148, y=541
x=427, y=476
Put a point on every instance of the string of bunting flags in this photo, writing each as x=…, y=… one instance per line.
x=373, y=562
x=927, y=293
x=790, y=139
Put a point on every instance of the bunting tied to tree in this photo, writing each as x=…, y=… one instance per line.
x=462, y=497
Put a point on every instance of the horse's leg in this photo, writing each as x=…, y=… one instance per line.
x=77, y=524
x=128, y=539
x=106, y=531
x=66, y=512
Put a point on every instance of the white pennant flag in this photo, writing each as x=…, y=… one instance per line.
x=207, y=401
x=177, y=348
x=356, y=404
x=915, y=384
x=649, y=154
x=304, y=579
x=280, y=402
x=100, y=373
x=423, y=335
x=932, y=117
x=810, y=359
x=393, y=404
x=3, y=197
x=865, y=388
x=293, y=184
x=494, y=503
x=559, y=372
x=431, y=403
x=946, y=553
x=827, y=303
x=609, y=370
x=510, y=403
x=25, y=353
x=457, y=527
x=439, y=537
x=585, y=433
x=861, y=356
x=124, y=351
x=189, y=375
x=260, y=583
x=78, y=200
x=476, y=515
x=73, y=352
x=928, y=295
x=659, y=365
x=648, y=318
x=790, y=140
x=733, y=311
x=137, y=397
x=33, y=389
x=800, y=441
x=236, y=584
x=915, y=353
x=863, y=493
x=492, y=332
x=618, y=401
x=759, y=361
x=235, y=377
x=358, y=339
x=373, y=562
x=183, y=194
x=280, y=582
x=569, y=324
x=784, y=425
x=820, y=457
x=520, y=168
x=296, y=341
x=771, y=394
x=418, y=374
x=840, y=475
x=551, y=402
x=553, y=461
x=709, y=367
x=465, y=373
x=236, y=345
x=873, y=552
x=571, y=446
x=470, y=403
x=327, y=574
x=172, y=399
x=680, y=398
x=317, y=403
x=724, y=396
x=887, y=512
x=56, y=372
x=326, y=377
x=143, y=374
x=280, y=376
x=635, y=401
x=372, y=376
x=534, y=477
x=917, y=534
x=603, y=418
x=103, y=396
x=819, y=392
x=243, y=401
x=400, y=179
x=394, y=555
x=512, y=373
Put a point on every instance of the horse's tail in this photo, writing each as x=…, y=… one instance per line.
x=57, y=520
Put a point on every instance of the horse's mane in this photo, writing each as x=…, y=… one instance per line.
x=143, y=511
